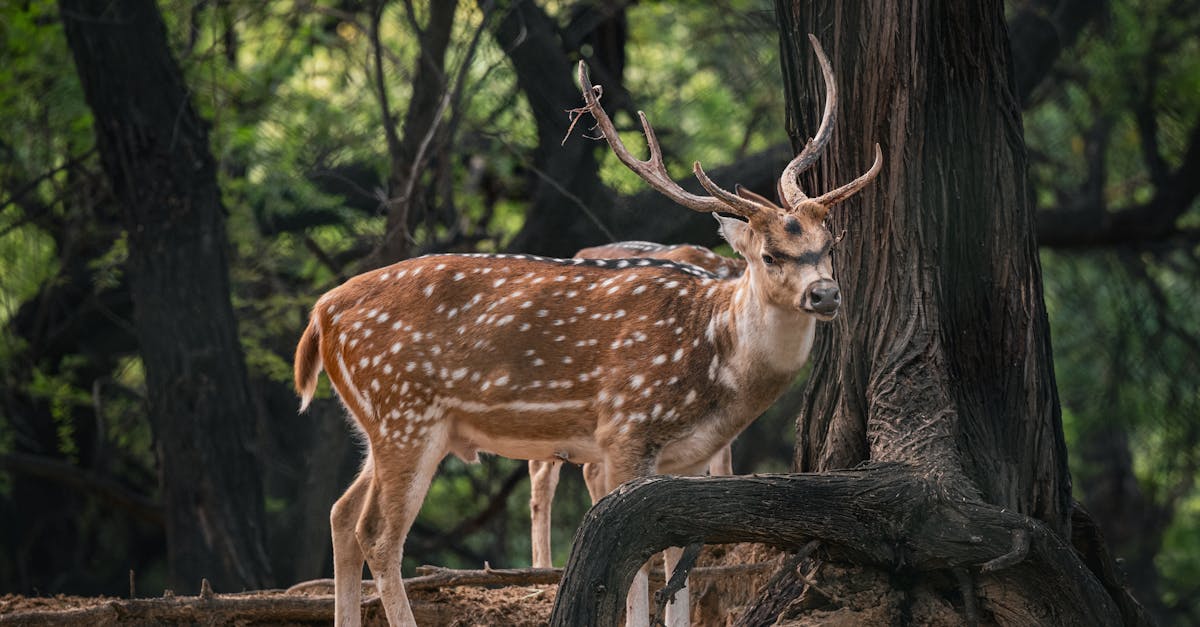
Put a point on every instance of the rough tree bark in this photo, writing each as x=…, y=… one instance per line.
x=937, y=381
x=154, y=148
x=948, y=364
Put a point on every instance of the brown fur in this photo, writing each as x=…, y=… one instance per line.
x=583, y=360
x=308, y=362
x=543, y=475
x=723, y=267
x=645, y=366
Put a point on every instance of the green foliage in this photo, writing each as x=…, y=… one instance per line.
x=1126, y=357
x=1143, y=59
x=709, y=84
x=290, y=92
x=28, y=259
x=62, y=397
x=1127, y=354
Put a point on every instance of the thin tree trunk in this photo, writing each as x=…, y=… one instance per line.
x=409, y=151
x=566, y=178
x=154, y=148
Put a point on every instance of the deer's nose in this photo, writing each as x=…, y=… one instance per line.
x=824, y=297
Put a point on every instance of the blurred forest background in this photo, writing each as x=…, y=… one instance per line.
x=348, y=135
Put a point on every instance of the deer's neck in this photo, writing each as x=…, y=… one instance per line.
x=764, y=335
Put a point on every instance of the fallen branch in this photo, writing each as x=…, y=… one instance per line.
x=435, y=577
x=219, y=609
x=313, y=600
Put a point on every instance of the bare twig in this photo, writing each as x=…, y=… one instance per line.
x=667, y=594
x=576, y=113
x=32, y=184
x=385, y=109
x=79, y=478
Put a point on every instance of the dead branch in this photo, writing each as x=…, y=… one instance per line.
x=85, y=482
x=434, y=577
x=311, y=600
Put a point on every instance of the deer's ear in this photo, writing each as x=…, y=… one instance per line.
x=735, y=231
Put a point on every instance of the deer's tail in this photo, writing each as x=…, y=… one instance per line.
x=308, y=362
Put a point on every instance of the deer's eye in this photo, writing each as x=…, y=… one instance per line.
x=769, y=260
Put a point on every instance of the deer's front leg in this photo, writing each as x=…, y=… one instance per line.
x=543, y=480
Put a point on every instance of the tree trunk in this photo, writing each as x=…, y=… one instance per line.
x=566, y=177
x=410, y=150
x=938, y=376
x=154, y=148
x=943, y=356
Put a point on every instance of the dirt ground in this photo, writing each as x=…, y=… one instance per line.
x=737, y=576
x=458, y=606
x=461, y=606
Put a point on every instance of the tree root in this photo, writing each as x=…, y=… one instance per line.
x=1020, y=550
x=882, y=515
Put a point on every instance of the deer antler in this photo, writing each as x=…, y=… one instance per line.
x=851, y=188
x=789, y=183
x=653, y=171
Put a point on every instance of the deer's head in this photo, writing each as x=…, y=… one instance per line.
x=787, y=248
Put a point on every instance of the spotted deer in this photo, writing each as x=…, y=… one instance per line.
x=543, y=475
x=647, y=366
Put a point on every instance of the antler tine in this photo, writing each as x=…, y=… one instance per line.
x=849, y=189
x=758, y=198
x=741, y=206
x=789, y=183
x=652, y=170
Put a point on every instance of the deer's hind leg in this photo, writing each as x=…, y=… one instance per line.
x=347, y=555
x=593, y=477
x=678, y=611
x=626, y=460
x=402, y=474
